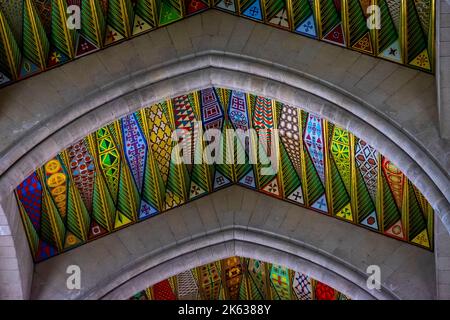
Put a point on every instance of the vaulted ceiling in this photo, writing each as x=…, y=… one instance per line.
x=237, y=278
x=34, y=35
x=125, y=172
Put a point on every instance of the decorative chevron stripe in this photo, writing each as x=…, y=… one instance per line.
x=82, y=167
x=391, y=213
x=301, y=9
x=340, y=149
x=160, y=137
x=103, y=205
x=365, y=203
x=52, y=226
x=263, y=119
x=340, y=195
x=112, y=178
x=273, y=7
x=239, y=153
x=237, y=281
x=290, y=179
x=357, y=21
x=424, y=11
x=224, y=153
x=329, y=15
x=417, y=41
x=145, y=10
x=238, y=116
x=93, y=25
x=388, y=33
x=417, y=219
x=10, y=55
x=314, y=141
x=290, y=135
x=29, y=194
x=395, y=7
x=34, y=36
x=395, y=179
x=200, y=173
x=35, y=42
x=33, y=237
x=103, y=209
x=315, y=187
x=254, y=294
x=422, y=201
x=62, y=37
x=257, y=273
x=120, y=16
x=243, y=289
x=128, y=194
x=78, y=220
x=128, y=200
x=13, y=12
x=153, y=191
x=110, y=159
x=176, y=189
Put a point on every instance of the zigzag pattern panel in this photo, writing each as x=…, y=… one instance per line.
x=241, y=279
x=34, y=36
x=132, y=169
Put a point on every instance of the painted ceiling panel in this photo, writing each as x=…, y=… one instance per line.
x=34, y=35
x=134, y=168
x=238, y=278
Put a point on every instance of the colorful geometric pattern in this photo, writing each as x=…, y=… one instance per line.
x=302, y=286
x=82, y=167
x=367, y=162
x=160, y=132
x=237, y=111
x=194, y=6
x=110, y=159
x=251, y=9
x=135, y=148
x=314, y=142
x=395, y=179
x=290, y=135
x=340, y=167
x=281, y=284
x=211, y=110
x=209, y=280
x=330, y=20
x=290, y=152
x=57, y=182
x=29, y=193
x=276, y=13
x=324, y=292
x=123, y=173
x=34, y=36
x=184, y=121
x=232, y=271
x=242, y=279
x=163, y=291
x=187, y=287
